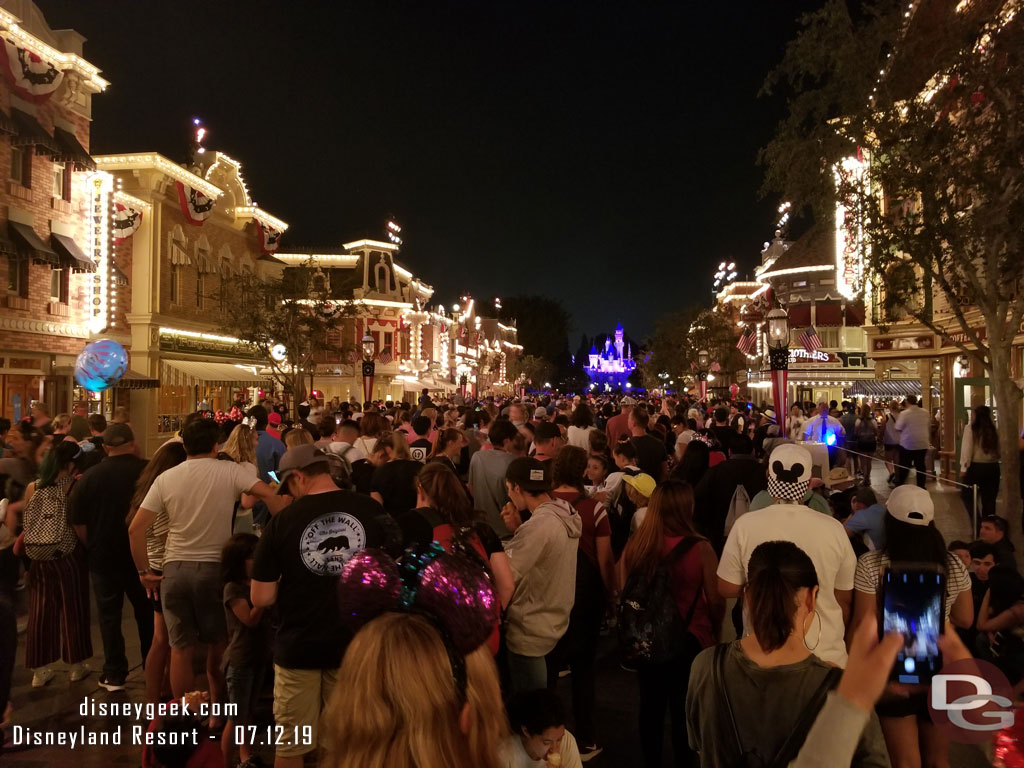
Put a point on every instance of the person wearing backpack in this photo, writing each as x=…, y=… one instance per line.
x=753, y=701
x=445, y=514
x=669, y=611
x=58, y=618
x=719, y=491
x=865, y=431
x=595, y=585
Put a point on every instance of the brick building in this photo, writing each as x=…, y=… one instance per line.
x=198, y=228
x=50, y=261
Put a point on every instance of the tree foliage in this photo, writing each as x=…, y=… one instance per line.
x=288, y=312
x=536, y=371
x=679, y=336
x=932, y=102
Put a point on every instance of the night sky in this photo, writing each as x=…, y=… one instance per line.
x=600, y=153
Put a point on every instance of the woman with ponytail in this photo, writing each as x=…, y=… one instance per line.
x=752, y=702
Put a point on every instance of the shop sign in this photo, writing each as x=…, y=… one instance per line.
x=902, y=343
x=192, y=345
x=31, y=363
x=798, y=355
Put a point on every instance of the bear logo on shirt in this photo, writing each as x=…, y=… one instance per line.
x=329, y=541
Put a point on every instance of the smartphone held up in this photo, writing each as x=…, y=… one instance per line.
x=911, y=603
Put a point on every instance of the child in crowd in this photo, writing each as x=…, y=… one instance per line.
x=249, y=650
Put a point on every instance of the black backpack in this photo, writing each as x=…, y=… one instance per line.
x=650, y=627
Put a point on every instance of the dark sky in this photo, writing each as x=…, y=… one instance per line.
x=600, y=153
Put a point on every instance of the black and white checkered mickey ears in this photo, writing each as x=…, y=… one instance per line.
x=789, y=473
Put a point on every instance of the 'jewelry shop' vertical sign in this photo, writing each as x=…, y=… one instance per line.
x=99, y=240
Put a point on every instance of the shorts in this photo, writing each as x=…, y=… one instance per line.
x=891, y=447
x=867, y=447
x=300, y=697
x=158, y=606
x=898, y=706
x=191, y=593
x=245, y=684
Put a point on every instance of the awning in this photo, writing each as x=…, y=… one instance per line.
x=193, y=372
x=413, y=386
x=31, y=244
x=29, y=133
x=887, y=388
x=800, y=316
x=828, y=313
x=71, y=255
x=133, y=380
x=119, y=277
x=71, y=151
x=854, y=315
x=270, y=258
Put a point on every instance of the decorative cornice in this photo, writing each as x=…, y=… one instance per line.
x=26, y=325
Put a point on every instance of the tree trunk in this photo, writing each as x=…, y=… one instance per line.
x=1008, y=400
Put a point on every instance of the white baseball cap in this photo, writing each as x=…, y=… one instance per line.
x=911, y=504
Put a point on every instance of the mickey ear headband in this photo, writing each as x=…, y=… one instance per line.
x=454, y=594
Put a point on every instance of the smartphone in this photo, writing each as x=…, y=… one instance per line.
x=912, y=603
x=273, y=476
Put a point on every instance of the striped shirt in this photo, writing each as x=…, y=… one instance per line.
x=156, y=537
x=870, y=565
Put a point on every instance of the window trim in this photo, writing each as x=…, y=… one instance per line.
x=174, y=294
x=17, y=266
x=25, y=178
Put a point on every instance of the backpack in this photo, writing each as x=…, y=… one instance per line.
x=620, y=515
x=464, y=542
x=866, y=431
x=739, y=505
x=650, y=627
x=47, y=534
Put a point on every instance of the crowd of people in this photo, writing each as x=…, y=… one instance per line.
x=302, y=556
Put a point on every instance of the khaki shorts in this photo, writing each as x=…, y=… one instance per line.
x=300, y=696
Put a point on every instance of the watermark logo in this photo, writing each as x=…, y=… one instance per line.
x=970, y=700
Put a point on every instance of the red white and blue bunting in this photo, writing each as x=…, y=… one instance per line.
x=127, y=221
x=31, y=76
x=196, y=206
x=270, y=238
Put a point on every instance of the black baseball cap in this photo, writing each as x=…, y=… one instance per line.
x=529, y=474
x=299, y=457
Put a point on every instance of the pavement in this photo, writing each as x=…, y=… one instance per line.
x=56, y=707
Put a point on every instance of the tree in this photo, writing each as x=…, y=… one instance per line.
x=543, y=330
x=536, y=371
x=937, y=190
x=288, y=322
x=679, y=336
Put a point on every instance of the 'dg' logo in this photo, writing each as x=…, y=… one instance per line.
x=969, y=700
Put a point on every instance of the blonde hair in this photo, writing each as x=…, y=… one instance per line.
x=396, y=704
x=396, y=442
x=239, y=445
x=297, y=436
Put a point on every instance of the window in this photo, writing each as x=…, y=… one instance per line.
x=826, y=281
x=387, y=339
x=59, y=285
x=175, y=279
x=21, y=166
x=62, y=181
x=17, y=276
x=829, y=336
x=800, y=284
x=199, y=290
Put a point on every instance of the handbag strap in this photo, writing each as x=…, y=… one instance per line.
x=721, y=651
x=789, y=749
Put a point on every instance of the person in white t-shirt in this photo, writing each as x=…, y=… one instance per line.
x=198, y=497
x=539, y=738
x=823, y=538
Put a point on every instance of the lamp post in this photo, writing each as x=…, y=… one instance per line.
x=369, y=367
x=703, y=363
x=778, y=358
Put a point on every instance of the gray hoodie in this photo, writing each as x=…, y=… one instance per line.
x=542, y=554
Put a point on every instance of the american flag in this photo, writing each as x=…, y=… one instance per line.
x=747, y=342
x=809, y=340
x=384, y=356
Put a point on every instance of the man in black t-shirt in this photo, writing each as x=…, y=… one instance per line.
x=651, y=455
x=97, y=509
x=296, y=566
x=420, y=447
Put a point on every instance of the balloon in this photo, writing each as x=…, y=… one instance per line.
x=101, y=365
x=459, y=593
x=369, y=585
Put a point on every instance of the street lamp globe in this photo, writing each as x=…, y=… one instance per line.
x=369, y=346
x=703, y=359
x=778, y=329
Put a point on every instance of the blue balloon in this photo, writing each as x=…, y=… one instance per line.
x=101, y=365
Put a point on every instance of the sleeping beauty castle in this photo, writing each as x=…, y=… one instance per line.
x=610, y=368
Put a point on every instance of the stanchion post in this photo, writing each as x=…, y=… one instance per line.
x=974, y=489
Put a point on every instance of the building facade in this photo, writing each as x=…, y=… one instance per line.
x=50, y=260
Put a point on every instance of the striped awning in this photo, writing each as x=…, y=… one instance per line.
x=887, y=388
x=133, y=380
x=196, y=372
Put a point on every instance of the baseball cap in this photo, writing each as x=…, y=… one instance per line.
x=643, y=483
x=117, y=435
x=789, y=472
x=545, y=431
x=299, y=457
x=911, y=504
x=540, y=411
x=274, y=418
x=627, y=400
x=529, y=474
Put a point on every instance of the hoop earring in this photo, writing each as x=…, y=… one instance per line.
x=818, y=640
